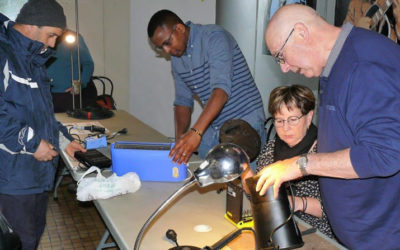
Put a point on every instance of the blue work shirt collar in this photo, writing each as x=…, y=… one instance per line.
x=337, y=48
x=192, y=37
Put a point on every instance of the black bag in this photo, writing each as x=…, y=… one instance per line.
x=105, y=100
x=9, y=240
x=241, y=133
x=270, y=128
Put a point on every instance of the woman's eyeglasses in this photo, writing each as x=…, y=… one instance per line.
x=291, y=121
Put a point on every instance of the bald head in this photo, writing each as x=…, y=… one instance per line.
x=285, y=19
x=309, y=37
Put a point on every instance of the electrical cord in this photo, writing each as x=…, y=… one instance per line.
x=288, y=218
x=171, y=234
x=94, y=134
x=122, y=131
x=76, y=136
x=190, y=174
x=228, y=238
x=292, y=197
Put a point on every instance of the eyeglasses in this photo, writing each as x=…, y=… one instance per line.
x=279, y=59
x=166, y=42
x=291, y=121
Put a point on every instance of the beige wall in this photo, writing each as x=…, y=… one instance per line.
x=116, y=48
x=90, y=27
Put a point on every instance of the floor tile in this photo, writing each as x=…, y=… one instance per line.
x=71, y=224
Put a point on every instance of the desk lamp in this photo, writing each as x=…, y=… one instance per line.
x=224, y=163
x=91, y=113
x=73, y=39
x=273, y=218
x=70, y=38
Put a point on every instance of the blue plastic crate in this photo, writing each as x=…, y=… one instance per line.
x=148, y=159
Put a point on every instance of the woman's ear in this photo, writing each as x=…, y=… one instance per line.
x=309, y=117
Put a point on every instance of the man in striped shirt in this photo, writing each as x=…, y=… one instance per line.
x=208, y=66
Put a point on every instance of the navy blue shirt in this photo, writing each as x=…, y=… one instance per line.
x=213, y=60
x=360, y=110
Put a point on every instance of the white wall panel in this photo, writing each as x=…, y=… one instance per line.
x=151, y=85
x=116, y=49
x=90, y=27
x=233, y=15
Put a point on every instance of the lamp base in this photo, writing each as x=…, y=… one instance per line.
x=90, y=113
x=185, y=248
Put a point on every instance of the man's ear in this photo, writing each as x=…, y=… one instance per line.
x=181, y=28
x=301, y=31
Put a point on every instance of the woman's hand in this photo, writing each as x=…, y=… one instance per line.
x=298, y=202
x=308, y=205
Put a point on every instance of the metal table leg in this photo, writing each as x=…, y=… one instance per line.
x=64, y=172
x=102, y=244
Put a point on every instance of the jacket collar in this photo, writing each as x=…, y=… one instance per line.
x=23, y=45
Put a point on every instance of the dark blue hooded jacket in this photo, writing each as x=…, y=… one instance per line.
x=26, y=114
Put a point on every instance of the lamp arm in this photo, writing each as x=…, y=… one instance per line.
x=191, y=182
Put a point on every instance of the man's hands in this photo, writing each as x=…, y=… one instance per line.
x=73, y=147
x=185, y=147
x=187, y=143
x=45, y=151
x=276, y=174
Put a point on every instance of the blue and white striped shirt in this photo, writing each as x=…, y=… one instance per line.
x=212, y=60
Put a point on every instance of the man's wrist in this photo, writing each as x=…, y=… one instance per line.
x=196, y=131
x=302, y=162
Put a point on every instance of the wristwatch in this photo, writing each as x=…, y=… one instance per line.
x=302, y=163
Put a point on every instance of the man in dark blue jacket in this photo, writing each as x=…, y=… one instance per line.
x=358, y=155
x=30, y=137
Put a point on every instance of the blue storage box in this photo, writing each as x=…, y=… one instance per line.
x=148, y=159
